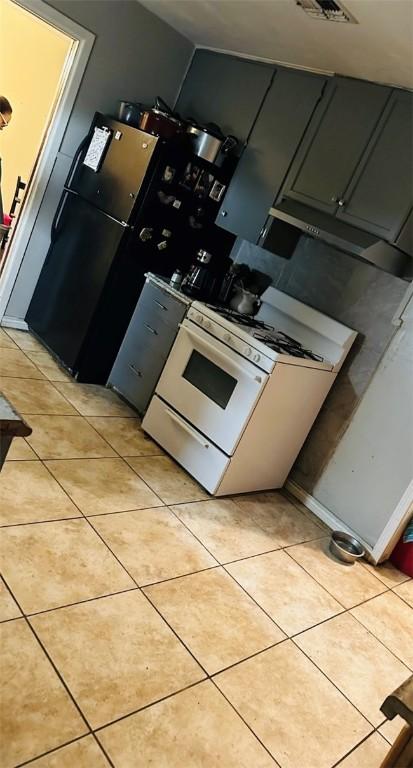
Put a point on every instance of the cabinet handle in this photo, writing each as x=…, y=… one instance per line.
x=224, y=213
x=341, y=203
x=135, y=370
x=151, y=330
x=160, y=305
x=186, y=428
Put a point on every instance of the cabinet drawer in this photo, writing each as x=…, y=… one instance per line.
x=135, y=384
x=156, y=303
x=147, y=339
x=203, y=460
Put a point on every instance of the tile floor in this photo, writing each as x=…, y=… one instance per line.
x=145, y=624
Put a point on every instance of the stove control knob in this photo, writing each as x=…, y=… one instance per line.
x=247, y=351
x=207, y=324
x=227, y=337
x=199, y=319
x=257, y=358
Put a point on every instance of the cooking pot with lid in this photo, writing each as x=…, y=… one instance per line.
x=208, y=142
x=130, y=112
x=161, y=121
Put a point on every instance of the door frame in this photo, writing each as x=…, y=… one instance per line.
x=76, y=66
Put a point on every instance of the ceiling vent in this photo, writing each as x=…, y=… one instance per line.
x=327, y=10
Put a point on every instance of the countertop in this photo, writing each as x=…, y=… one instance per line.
x=163, y=282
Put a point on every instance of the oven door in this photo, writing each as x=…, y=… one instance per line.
x=212, y=386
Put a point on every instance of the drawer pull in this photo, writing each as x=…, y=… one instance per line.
x=135, y=370
x=151, y=330
x=161, y=305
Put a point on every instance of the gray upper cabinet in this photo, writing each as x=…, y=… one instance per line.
x=380, y=194
x=335, y=143
x=224, y=90
x=277, y=133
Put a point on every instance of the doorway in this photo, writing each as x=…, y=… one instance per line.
x=44, y=55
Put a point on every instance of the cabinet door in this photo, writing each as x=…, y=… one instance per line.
x=273, y=143
x=381, y=192
x=224, y=90
x=338, y=136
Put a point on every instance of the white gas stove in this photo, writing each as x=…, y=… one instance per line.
x=238, y=395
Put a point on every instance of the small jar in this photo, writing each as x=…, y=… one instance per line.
x=176, y=279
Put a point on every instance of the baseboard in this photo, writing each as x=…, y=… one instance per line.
x=14, y=322
x=321, y=511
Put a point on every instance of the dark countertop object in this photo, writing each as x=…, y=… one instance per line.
x=11, y=425
x=400, y=702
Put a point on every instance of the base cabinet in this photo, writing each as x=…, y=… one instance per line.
x=146, y=346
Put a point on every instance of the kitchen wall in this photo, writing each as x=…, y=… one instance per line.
x=136, y=56
x=356, y=294
x=31, y=90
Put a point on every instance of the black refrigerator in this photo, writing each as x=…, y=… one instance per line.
x=124, y=211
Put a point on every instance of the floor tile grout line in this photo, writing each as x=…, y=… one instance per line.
x=48, y=656
x=40, y=522
x=55, y=750
x=103, y=748
x=150, y=704
x=372, y=726
x=370, y=631
x=366, y=568
x=180, y=576
x=223, y=565
x=148, y=600
x=354, y=748
x=305, y=511
x=403, y=599
x=244, y=721
x=280, y=491
x=256, y=603
x=345, y=608
x=290, y=637
x=44, y=462
x=43, y=611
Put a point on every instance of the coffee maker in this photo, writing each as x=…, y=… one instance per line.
x=200, y=281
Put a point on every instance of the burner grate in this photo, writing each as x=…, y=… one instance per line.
x=239, y=318
x=267, y=334
x=281, y=342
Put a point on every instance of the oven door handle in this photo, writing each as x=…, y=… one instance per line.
x=222, y=355
x=186, y=428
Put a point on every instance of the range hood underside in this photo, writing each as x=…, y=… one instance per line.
x=289, y=219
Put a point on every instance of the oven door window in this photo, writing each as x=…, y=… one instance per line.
x=210, y=379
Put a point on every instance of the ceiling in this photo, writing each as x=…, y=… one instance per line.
x=378, y=48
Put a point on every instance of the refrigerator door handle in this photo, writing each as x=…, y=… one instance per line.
x=76, y=158
x=56, y=218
